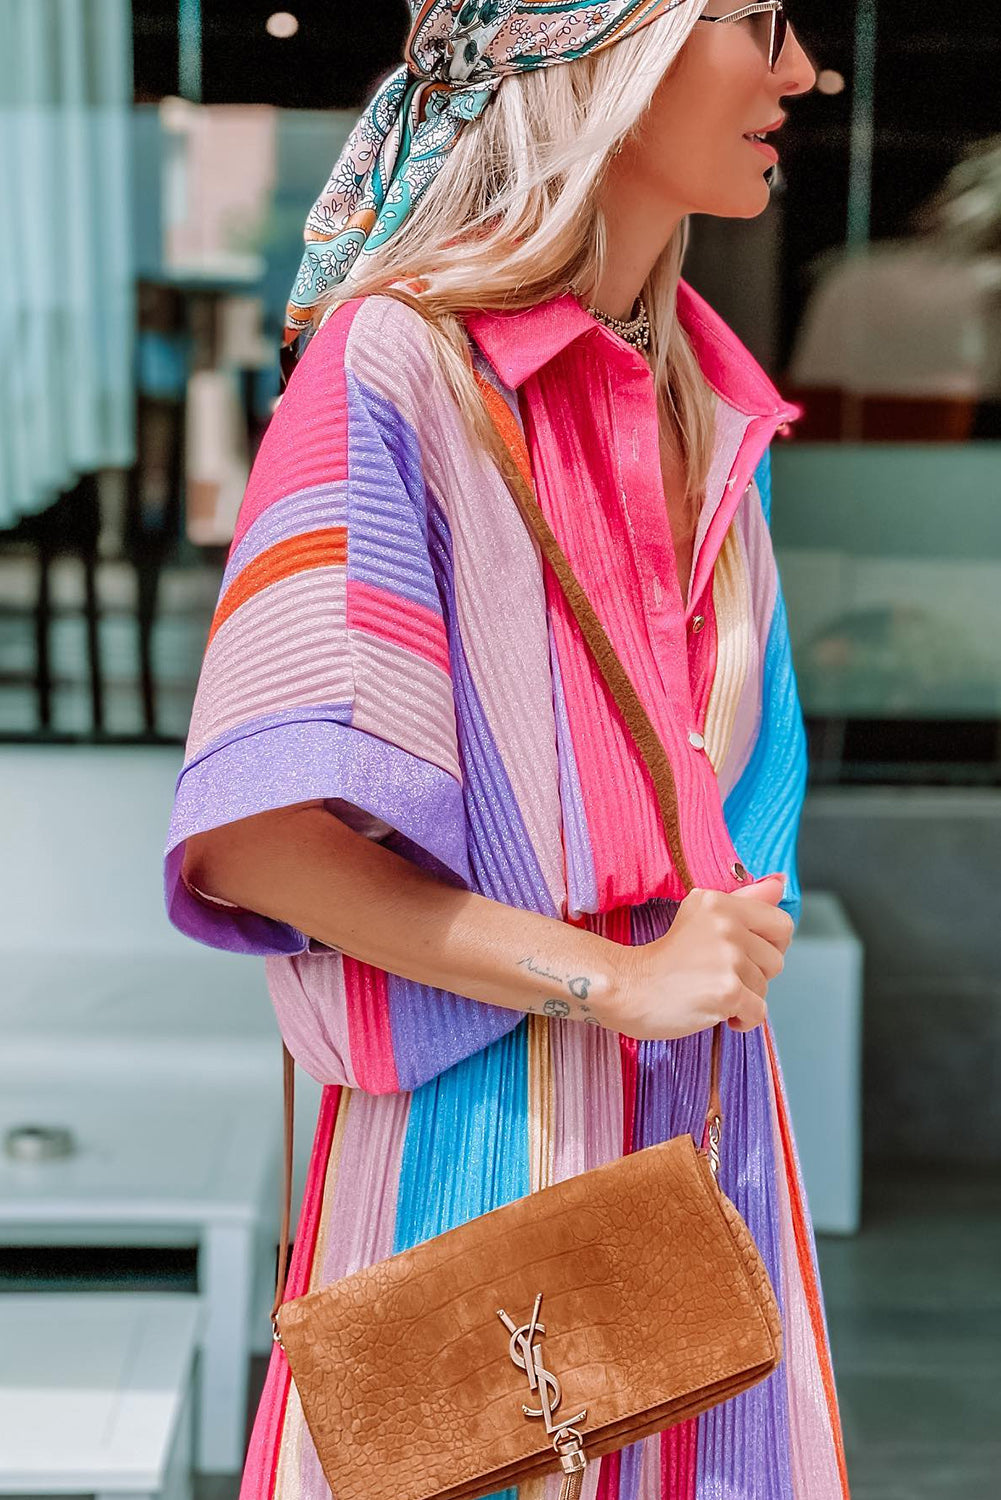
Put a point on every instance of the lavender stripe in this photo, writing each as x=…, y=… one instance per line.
x=398, y=436
x=339, y=713
x=747, y=1437
x=631, y=1470
x=309, y=510
x=387, y=517
x=745, y=1442
x=433, y=1029
x=298, y=761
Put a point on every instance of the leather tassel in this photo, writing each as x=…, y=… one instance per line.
x=570, y=1488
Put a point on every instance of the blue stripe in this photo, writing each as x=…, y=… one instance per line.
x=466, y=1147
x=763, y=810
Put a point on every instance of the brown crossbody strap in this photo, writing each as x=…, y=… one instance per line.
x=647, y=743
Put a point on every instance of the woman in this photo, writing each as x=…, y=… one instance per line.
x=405, y=782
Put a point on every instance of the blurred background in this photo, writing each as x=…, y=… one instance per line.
x=157, y=160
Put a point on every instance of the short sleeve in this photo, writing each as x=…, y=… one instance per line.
x=326, y=672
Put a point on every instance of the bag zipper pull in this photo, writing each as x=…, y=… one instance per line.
x=573, y=1460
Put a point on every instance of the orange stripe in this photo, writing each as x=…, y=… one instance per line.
x=807, y=1275
x=297, y=554
x=506, y=424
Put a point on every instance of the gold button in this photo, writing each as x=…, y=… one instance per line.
x=737, y=869
x=697, y=623
x=696, y=739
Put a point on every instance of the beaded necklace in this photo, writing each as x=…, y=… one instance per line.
x=635, y=330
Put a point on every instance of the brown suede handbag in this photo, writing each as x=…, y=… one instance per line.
x=558, y=1327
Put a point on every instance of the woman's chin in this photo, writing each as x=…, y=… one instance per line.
x=747, y=203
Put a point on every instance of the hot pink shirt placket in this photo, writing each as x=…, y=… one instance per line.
x=589, y=413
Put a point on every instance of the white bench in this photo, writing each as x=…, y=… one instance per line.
x=96, y=1395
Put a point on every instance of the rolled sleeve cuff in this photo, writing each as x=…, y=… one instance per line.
x=293, y=762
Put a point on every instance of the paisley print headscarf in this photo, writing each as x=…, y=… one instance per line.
x=455, y=57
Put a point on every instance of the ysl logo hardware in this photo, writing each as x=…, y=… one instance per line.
x=527, y=1355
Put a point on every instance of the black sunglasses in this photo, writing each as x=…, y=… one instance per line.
x=776, y=22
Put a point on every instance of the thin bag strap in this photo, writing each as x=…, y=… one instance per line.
x=647, y=743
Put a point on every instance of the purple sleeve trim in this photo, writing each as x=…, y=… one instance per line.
x=298, y=762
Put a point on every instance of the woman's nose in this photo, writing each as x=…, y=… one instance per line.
x=795, y=69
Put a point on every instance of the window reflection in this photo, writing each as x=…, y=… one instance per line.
x=886, y=495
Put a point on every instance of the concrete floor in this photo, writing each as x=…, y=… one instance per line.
x=914, y=1311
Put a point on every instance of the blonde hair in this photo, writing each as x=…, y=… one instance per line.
x=512, y=218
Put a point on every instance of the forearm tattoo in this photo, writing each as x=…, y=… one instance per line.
x=576, y=985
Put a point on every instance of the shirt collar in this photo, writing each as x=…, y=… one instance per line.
x=517, y=345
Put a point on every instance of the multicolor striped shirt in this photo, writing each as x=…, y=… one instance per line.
x=388, y=640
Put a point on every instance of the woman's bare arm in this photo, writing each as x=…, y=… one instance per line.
x=303, y=866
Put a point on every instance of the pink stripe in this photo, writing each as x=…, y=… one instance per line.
x=678, y=1456
x=358, y=1229
x=756, y=438
x=258, y=1478
x=284, y=648
x=307, y=994
x=633, y=585
x=361, y=1223
x=401, y=621
x=704, y=659
x=730, y=429
x=306, y=440
x=587, y=1099
x=371, y=1038
x=608, y=1476
x=401, y=698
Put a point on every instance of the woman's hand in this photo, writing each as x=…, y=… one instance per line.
x=713, y=964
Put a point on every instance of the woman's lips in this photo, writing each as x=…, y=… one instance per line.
x=763, y=146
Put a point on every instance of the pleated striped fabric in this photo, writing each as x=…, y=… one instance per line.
x=387, y=640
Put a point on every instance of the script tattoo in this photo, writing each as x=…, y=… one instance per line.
x=579, y=986
x=533, y=968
